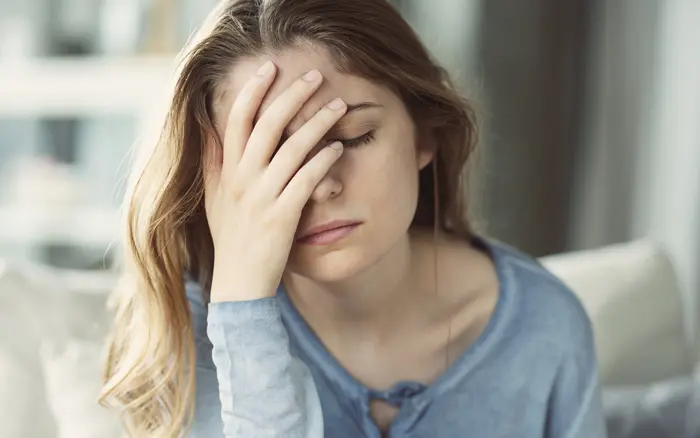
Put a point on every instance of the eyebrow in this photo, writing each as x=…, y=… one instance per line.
x=352, y=107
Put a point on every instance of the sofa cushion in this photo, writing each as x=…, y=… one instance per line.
x=52, y=326
x=72, y=372
x=632, y=296
x=26, y=413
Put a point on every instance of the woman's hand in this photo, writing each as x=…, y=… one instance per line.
x=253, y=200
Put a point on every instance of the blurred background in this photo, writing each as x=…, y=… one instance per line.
x=591, y=133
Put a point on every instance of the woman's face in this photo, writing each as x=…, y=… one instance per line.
x=374, y=183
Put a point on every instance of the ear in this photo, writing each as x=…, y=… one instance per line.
x=425, y=148
x=424, y=156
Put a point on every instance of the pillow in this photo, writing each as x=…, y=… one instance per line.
x=52, y=325
x=632, y=296
x=25, y=411
x=71, y=351
x=72, y=372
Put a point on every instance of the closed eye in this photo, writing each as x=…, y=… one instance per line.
x=357, y=141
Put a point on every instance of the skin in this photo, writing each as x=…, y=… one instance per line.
x=371, y=297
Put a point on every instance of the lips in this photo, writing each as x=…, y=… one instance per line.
x=328, y=233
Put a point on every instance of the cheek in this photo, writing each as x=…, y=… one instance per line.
x=387, y=182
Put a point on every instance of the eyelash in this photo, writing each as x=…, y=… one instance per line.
x=358, y=141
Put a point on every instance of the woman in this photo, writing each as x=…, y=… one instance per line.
x=308, y=184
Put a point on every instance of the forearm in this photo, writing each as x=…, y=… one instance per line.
x=264, y=391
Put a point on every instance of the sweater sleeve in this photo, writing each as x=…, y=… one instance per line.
x=263, y=391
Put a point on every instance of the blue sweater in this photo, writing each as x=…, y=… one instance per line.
x=261, y=371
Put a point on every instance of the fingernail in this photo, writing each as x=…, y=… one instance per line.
x=336, y=104
x=312, y=76
x=265, y=69
x=338, y=146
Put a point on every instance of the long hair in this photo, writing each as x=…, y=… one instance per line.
x=149, y=372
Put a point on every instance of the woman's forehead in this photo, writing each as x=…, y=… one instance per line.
x=292, y=64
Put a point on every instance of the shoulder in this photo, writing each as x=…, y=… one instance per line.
x=542, y=304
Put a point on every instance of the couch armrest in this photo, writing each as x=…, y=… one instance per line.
x=632, y=296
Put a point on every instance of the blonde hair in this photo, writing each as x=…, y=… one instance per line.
x=149, y=371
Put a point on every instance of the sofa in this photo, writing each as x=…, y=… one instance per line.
x=53, y=322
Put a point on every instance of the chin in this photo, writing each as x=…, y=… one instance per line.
x=331, y=266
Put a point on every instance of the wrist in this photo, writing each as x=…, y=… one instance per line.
x=226, y=286
x=219, y=295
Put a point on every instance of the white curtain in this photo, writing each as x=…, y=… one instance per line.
x=673, y=167
x=639, y=171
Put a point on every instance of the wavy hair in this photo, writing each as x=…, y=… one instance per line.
x=149, y=371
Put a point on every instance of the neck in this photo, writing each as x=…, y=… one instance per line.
x=377, y=300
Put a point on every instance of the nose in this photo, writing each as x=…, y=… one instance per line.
x=329, y=188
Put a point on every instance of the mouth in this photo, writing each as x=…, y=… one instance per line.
x=328, y=233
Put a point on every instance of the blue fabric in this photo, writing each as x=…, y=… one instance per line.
x=531, y=373
x=248, y=384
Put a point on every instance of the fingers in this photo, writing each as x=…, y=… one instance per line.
x=242, y=114
x=269, y=129
x=299, y=190
x=297, y=148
